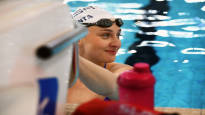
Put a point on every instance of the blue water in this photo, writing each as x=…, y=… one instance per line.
x=170, y=36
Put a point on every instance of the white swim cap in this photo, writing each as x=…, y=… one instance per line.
x=91, y=14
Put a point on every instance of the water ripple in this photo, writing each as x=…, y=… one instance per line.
x=194, y=1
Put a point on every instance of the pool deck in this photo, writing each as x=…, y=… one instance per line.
x=182, y=111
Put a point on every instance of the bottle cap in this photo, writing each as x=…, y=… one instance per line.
x=139, y=77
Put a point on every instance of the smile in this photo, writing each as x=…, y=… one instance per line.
x=112, y=52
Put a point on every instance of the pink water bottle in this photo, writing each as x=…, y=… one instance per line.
x=137, y=86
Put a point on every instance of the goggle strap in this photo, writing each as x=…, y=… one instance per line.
x=118, y=21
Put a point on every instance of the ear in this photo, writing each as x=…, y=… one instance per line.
x=80, y=42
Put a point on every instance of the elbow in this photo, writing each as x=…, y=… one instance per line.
x=111, y=92
x=114, y=95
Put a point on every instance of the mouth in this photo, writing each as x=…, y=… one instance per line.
x=112, y=52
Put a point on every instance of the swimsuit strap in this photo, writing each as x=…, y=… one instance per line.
x=107, y=99
x=105, y=65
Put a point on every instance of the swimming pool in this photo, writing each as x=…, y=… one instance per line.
x=170, y=36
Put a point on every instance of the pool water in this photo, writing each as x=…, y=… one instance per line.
x=170, y=36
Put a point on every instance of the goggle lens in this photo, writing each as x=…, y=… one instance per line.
x=119, y=22
x=106, y=23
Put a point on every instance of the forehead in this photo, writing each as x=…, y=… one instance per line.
x=113, y=29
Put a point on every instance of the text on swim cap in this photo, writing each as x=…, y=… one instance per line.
x=82, y=10
x=83, y=19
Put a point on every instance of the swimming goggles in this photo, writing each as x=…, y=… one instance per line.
x=105, y=23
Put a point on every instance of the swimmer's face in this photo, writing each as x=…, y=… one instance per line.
x=101, y=44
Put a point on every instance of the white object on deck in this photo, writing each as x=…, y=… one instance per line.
x=26, y=25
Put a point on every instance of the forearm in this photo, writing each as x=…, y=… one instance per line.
x=98, y=79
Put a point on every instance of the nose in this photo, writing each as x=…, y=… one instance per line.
x=116, y=43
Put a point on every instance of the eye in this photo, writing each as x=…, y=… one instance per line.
x=119, y=35
x=105, y=35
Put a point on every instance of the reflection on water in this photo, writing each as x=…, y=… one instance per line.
x=194, y=1
x=176, y=34
x=194, y=51
x=155, y=44
x=203, y=8
x=169, y=35
x=173, y=22
x=67, y=1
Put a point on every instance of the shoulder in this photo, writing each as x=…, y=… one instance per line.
x=118, y=68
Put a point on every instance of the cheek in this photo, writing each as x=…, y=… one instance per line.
x=99, y=43
x=93, y=48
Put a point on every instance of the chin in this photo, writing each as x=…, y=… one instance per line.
x=110, y=60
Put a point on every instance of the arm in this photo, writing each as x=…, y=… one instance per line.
x=100, y=80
